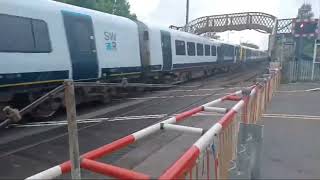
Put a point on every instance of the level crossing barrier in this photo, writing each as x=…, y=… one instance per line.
x=217, y=154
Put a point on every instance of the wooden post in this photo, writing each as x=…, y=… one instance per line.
x=72, y=129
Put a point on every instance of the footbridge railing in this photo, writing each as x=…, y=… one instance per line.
x=225, y=150
x=237, y=21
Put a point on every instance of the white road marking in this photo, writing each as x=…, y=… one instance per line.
x=191, y=90
x=304, y=90
x=83, y=121
x=291, y=116
x=155, y=116
x=167, y=97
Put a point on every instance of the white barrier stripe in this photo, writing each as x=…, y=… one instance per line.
x=151, y=129
x=146, y=132
x=238, y=106
x=204, y=141
x=217, y=101
x=215, y=109
x=253, y=92
x=238, y=93
x=208, y=114
x=51, y=173
x=184, y=129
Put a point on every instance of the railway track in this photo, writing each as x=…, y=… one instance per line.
x=45, y=143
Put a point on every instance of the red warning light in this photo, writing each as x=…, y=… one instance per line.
x=304, y=27
x=301, y=26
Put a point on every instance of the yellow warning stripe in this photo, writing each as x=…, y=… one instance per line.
x=54, y=81
x=122, y=74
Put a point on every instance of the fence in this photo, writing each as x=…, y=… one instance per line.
x=218, y=153
x=300, y=71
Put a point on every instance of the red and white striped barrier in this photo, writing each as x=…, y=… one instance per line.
x=188, y=159
x=183, y=164
x=63, y=168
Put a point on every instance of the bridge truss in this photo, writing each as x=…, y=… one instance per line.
x=261, y=22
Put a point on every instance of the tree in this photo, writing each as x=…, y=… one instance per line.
x=117, y=7
x=305, y=11
x=251, y=45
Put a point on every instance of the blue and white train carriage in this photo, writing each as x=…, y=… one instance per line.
x=43, y=42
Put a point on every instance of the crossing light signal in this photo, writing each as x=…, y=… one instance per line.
x=305, y=27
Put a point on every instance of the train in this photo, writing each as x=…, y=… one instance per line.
x=44, y=42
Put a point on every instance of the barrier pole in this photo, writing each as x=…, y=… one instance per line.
x=72, y=129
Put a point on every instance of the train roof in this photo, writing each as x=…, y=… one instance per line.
x=50, y=6
x=45, y=7
x=183, y=34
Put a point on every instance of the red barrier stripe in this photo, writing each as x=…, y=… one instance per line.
x=65, y=167
x=231, y=98
x=182, y=165
x=227, y=118
x=189, y=113
x=112, y=171
x=109, y=148
x=102, y=151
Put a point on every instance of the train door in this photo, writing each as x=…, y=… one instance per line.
x=82, y=48
x=166, y=50
x=243, y=54
x=144, y=46
x=237, y=54
x=220, y=53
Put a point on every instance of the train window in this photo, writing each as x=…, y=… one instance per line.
x=199, y=49
x=21, y=34
x=213, y=51
x=191, y=49
x=41, y=36
x=229, y=50
x=207, y=50
x=180, y=47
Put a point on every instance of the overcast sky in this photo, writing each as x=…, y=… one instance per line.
x=172, y=12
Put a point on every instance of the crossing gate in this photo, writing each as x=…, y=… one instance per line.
x=217, y=154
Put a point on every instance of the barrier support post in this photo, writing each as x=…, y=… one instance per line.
x=257, y=135
x=250, y=151
x=72, y=129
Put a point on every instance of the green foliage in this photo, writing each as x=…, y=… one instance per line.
x=117, y=7
x=305, y=11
